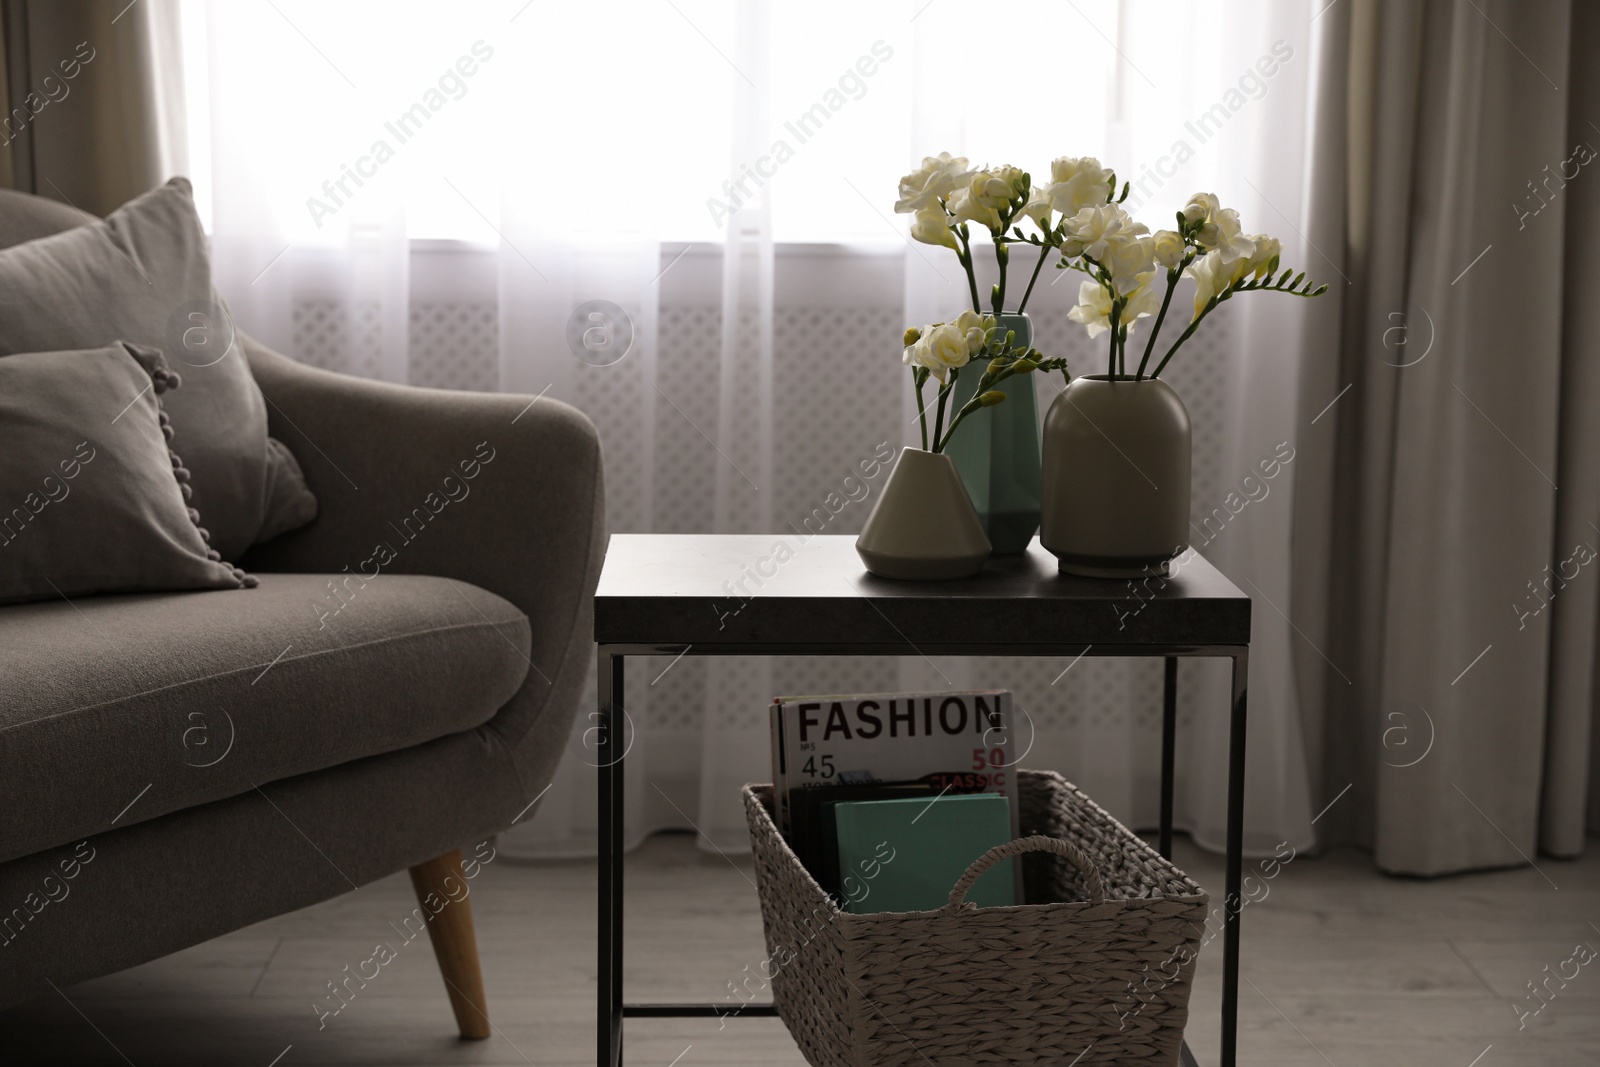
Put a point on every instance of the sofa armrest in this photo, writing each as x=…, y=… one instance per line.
x=479, y=487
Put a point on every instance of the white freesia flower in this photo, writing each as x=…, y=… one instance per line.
x=1076, y=183
x=946, y=349
x=1094, y=306
x=1142, y=302
x=1092, y=231
x=1219, y=230
x=1266, y=250
x=930, y=226
x=1200, y=206
x=1212, y=275
x=1005, y=181
x=936, y=179
x=1169, y=248
x=985, y=194
x=1222, y=234
x=976, y=329
x=1130, y=261
x=966, y=208
x=1038, y=207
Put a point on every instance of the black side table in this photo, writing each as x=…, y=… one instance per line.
x=739, y=595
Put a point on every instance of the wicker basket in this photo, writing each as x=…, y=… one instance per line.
x=1103, y=952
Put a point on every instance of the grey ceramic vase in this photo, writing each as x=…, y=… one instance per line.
x=1116, y=477
x=923, y=525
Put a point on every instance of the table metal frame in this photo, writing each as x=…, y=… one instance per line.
x=612, y=1009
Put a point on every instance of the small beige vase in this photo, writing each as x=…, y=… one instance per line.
x=924, y=525
x=1116, y=477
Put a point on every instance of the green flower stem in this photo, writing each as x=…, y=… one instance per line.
x=984, y=385
x=1044, y=250
x=967, y=409
x=920, y=378
x=1172, y=285
x=964, y=254
x=938, y=419
x=1189, y=332
x=1002, y=255
x=1116, y=322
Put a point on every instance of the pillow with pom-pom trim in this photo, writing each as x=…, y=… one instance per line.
x=93, y=498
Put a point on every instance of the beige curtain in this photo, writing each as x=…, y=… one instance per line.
x=1447, y=525
x=93, y=98
x=8, y=146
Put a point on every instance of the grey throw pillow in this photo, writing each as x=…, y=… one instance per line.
x=143, y=275
x=93, y=498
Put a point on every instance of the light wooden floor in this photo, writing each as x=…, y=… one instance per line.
x=1345, y=967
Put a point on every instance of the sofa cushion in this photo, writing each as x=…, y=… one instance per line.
x=118, y=709
x=144, y=275
x=91, y=498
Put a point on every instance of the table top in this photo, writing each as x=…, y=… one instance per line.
x=747, y=593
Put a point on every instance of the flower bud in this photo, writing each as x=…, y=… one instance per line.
x=912, y=336
x=991, y=398
x=1023, y=366
x=998, y=188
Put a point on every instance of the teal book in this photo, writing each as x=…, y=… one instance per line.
x=905, y=855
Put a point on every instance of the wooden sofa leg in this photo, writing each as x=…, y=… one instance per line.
x=455, y=945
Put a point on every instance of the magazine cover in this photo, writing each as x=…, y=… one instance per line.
x=960, y=742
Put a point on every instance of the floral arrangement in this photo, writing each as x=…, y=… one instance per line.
x=1078, y=215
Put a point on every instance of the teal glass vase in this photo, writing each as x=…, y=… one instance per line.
x=996, y=451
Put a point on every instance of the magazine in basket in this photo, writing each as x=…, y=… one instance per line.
x=953, y=742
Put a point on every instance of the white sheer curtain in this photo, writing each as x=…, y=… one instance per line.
x=428, y=194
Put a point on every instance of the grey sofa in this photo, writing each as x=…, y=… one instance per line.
x=176, y=766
